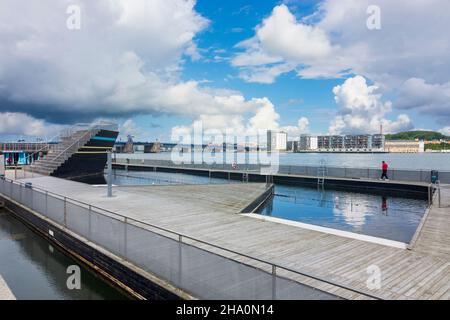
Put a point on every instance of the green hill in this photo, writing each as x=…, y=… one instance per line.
x=412, y=135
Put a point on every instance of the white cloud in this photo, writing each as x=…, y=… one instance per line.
x=362, y=110
x=125, y=60
x=295, y=131
x=13, y=123
x=334, y=42
x=263, y=118
x=428, y=99
x=445, y=131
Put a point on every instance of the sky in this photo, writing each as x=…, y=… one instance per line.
x=162, y=67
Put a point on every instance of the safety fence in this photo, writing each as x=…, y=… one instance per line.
x=311, y=171
x=443, y=195
x=204, y=272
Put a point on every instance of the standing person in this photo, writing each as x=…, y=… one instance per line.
x=384, y=168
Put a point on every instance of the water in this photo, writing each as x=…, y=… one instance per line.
x=380, y=216
x=387, y=217
x=34, y=269
x=410, y=161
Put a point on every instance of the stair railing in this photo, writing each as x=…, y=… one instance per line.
x=90, y=131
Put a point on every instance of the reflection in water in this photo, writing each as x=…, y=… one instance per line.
x=384, y=206
x=349, y=211
x=354, y=214
x=34, y=269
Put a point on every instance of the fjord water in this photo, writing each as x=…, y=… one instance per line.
x=34, y=269
x=410, y=161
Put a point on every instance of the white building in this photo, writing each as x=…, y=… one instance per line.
x=276, y=140
x=313, y=143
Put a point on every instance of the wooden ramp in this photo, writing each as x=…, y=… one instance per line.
x=208, y=212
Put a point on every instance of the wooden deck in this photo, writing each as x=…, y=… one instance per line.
x=434, y=238
x=5, y=292
x=208, y=212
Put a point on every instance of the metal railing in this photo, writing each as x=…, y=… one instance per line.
x=90, y=129
x=171, y=255
x=423, y=176
x=439, y=189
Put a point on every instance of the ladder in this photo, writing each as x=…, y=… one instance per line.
x=321, y=173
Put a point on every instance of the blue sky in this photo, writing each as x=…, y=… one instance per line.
x=231, y=23
x=159, y=67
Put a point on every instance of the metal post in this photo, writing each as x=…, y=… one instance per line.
x=90, y=223
x=180, y=259
x=274, y=282
x=65, y=212
x=125, y=238
x=439, y=193
x=109, y=175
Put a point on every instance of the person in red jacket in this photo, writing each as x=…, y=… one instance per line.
x=384, y=169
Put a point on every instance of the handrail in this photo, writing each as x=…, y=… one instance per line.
x=90, y=130
x=67, y=132
x=181, y=235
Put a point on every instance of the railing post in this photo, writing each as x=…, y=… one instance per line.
x=90, y=223
x=109, y=175
x=274, y=282
x=65, y=212
x=439, y=193
x=180, y=259
x=125, y=245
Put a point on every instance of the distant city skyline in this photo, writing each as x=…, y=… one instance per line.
x=160, y=67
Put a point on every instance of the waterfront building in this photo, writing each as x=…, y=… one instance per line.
x=276, y=140
x=405, y=146
x=343, y=143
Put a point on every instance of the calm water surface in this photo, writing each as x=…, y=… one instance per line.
x=417, y=161
x=34, y=269
x=375, y=215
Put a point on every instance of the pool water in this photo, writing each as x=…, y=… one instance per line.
x=386, y=217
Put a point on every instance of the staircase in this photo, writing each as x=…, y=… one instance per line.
x=70, y=141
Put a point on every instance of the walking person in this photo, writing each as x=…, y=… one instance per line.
x=384, y=169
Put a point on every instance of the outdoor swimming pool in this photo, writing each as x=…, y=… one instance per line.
x=386, y=217
x=393, y=218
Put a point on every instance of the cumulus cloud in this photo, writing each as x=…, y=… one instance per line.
x=125, y=60
x=295, y=131
x=445, y=131
x=334, y=42
x=428, y=99
x=362, y=110
x=13, y=123
x=265, y=117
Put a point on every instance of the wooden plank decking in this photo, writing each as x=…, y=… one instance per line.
x=5, y=292
x=208, y=212
x=434, y=238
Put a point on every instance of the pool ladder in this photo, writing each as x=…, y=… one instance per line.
x=321, y=172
